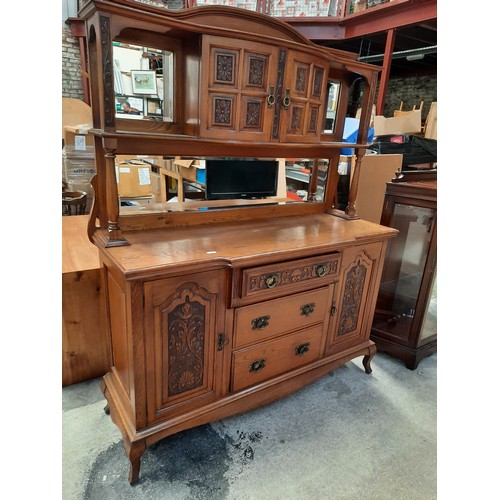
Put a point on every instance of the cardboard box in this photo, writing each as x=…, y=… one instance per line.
x=154, y=161
x=156, y=186
x=78, y=138
x=187, y=168
x=134, y=179
x=408, y=122
x=78, y=169
x=376, y=171
x=190, y=169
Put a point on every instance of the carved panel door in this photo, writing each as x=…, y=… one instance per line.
x=183, y=318
x=349, y=321
x=304, y=94
x=239, y=78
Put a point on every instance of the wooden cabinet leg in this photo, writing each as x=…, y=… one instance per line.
x=134, y=452
x=368, y=359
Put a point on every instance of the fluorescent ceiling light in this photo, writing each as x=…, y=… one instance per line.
x=415, y=57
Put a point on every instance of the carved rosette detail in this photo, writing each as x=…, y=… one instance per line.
x=292, y=275
x=186, y=345
x=256, y=72
x=296, y=118
x=222, y=111
x=253, y=114
x=225, y=68
x=353, y=294
x=300, y=79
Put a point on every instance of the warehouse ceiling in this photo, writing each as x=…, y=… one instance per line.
x=414, y=53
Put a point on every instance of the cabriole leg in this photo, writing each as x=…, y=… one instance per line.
x=134, y=452
x=368, y=359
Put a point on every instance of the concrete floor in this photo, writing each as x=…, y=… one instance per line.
x=347, y=436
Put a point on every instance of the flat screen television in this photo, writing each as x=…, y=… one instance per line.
x=240, y=178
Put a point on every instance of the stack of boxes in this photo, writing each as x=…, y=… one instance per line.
x=79, y=160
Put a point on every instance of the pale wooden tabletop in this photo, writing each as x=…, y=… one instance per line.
x=78, y=253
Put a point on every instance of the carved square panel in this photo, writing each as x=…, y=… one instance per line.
x=256, y=69
x=225, y=67
x=317, y=82
x=312, y=125
x=222, y=110
x=296, y=118
x=252, y=114
x=301, y=78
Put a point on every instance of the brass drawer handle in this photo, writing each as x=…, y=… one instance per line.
x=257, y=366
x=271, y=280
x=307, y=309
x=333, y=310
x=321, y=270
x=301, y=349
x=260, y=323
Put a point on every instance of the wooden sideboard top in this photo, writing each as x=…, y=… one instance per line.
x=150, y=251
x=78, y=253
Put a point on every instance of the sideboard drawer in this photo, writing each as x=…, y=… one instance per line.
x=272, y=318
x=268, y=359
x=286, y=277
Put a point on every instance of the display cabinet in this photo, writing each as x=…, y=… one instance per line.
x=217, y=306
x=405, y=320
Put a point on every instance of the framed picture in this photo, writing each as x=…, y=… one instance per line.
x=154, y=107
x=143, y=82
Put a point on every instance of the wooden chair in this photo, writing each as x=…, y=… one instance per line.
x=74, y=202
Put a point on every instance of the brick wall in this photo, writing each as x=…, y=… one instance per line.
x=71, y=67
x=411, y=91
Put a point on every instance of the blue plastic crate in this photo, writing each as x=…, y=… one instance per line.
x=201, y=175
x=351, y=127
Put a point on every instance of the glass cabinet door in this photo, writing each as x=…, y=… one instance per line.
x=403, y=273
x=429, y=323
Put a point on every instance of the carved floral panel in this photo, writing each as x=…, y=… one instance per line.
x=296, y=118
x=353, y=296
x=301, y=79
x=186, y=346
x=318, y=82
x=313, y=119
x=253, y=114
x=225, y=68
x=256, y=71
x=223, y=109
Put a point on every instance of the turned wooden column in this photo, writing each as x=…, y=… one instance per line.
x=313, y=182
x=350, y=210
x=112, y=202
